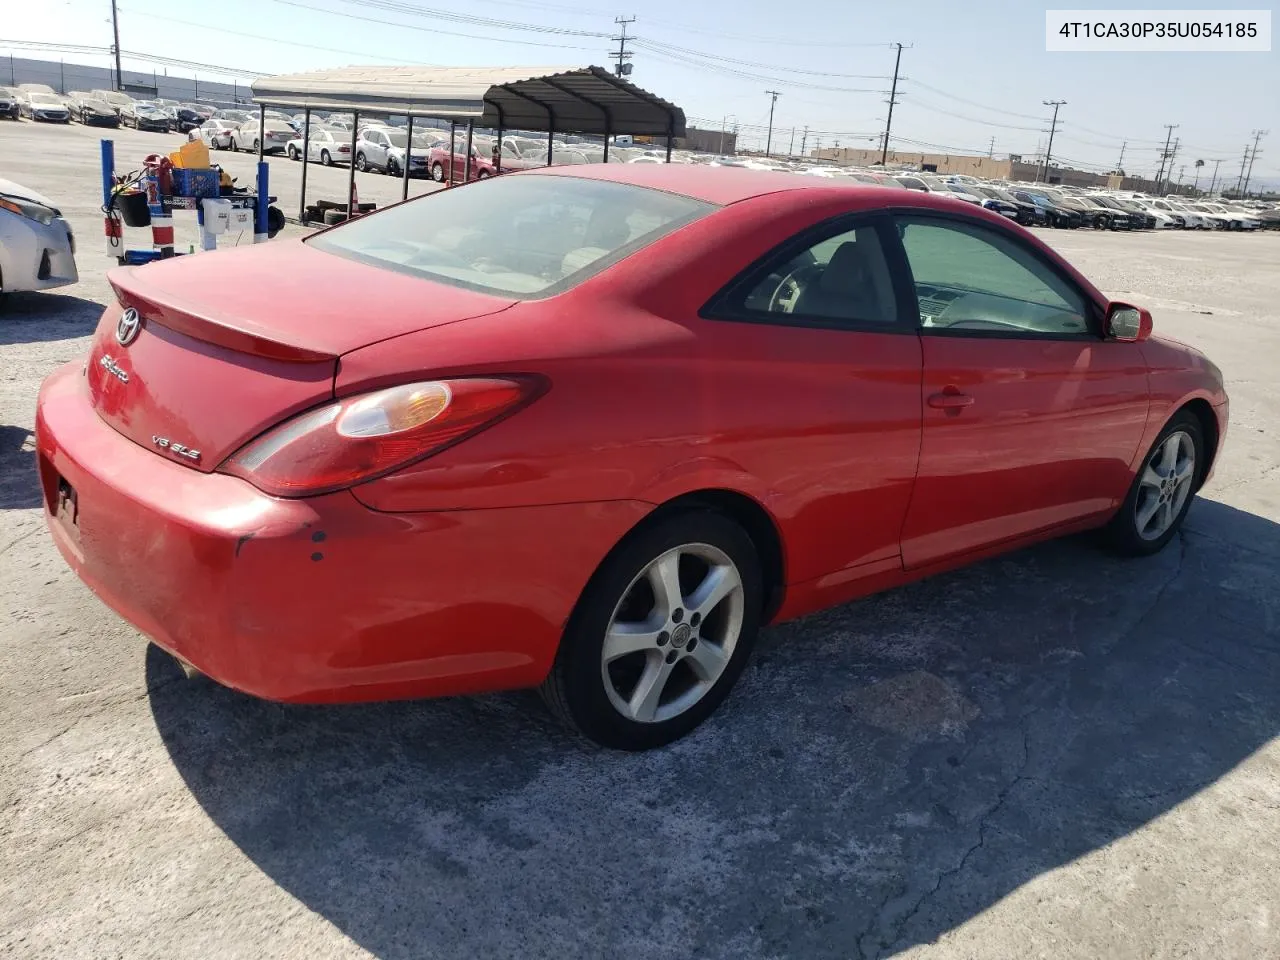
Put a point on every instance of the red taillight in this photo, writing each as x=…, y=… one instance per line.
x=369, y=435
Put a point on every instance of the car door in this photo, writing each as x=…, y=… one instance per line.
x=1031, y=417
x=836, y=432
x=375, y=149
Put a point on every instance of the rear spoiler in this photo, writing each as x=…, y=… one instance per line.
x=198, y=321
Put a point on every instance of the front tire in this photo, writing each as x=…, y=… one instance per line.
x=437, y=172
x=293, y=152
x=1161, y=493
x=661, y=633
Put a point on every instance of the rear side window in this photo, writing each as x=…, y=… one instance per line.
x=522, y=236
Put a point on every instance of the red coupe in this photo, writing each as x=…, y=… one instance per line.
x=588, y=428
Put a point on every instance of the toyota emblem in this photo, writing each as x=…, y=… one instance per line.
x=127, y=327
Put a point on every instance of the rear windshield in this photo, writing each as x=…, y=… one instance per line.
x=524, y=236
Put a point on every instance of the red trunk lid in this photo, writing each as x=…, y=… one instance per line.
x=233, y=342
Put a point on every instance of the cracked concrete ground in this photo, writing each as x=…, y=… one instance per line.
x=1052, y=754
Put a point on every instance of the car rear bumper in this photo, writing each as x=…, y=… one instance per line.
x=314, y=600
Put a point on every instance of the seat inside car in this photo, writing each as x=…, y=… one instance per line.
x=854, y=284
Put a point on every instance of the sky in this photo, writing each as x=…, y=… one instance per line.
x=970, y=71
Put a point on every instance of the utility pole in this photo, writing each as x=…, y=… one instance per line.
x=768, y=143
x=1120, y=162
x=1164, y=154
x=1240, y=179
x=1216, y=165
x=115, y=32
x=621, y=56
x=804, y=138
x=1257, y=135
x=991, y=148
x=791, y=150
x=1053, y=128
x=1168, y=177
x=893, y=98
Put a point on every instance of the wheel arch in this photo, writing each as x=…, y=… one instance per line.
x=1200, y=408
x=760, y=526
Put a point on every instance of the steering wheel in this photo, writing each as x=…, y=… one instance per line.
x=789, y=288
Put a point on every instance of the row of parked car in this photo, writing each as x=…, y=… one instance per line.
x=384, y=147
x=106, y=108
x=1040, y=204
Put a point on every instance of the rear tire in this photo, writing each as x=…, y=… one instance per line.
x=1162, y=491
x=684, y=644
x=325, y=159
x=361, y=164
x=293, y=152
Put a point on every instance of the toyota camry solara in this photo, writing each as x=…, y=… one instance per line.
x=588, y=431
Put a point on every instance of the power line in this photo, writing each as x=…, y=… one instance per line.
x=972, y=103
x=471, y=19
x=258, y=36
x=434, y=31
x=683, y=60
x=958, y=116
x=686, y=51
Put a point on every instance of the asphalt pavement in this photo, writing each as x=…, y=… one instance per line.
x=1053, y=754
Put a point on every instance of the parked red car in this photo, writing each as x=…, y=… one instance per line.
x=482, y=166
x=588, y=428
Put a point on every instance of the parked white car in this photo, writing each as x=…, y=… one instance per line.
x=327, y=146
x=216, y=134
x=276, y=134
x=37, y=250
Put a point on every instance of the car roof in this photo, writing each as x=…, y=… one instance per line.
x=719, y=185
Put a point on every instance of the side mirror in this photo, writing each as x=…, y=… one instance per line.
x=1127, y=323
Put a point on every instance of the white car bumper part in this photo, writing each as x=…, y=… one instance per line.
x=35, y=255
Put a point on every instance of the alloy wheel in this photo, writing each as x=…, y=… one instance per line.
x=1164, y=485
x=673, y=633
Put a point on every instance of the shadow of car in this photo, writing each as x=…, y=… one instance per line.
x=886, y=771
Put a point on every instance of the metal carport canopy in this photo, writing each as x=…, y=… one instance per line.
x=564, y=99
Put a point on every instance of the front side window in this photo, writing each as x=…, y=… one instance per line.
x=969, y=278
x=522, y=236
x=842, y=279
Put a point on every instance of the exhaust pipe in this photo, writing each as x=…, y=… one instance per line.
x=188, y=671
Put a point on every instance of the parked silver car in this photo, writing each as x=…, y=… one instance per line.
x=46, y=106
x=276, y=135
x=383, y=148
